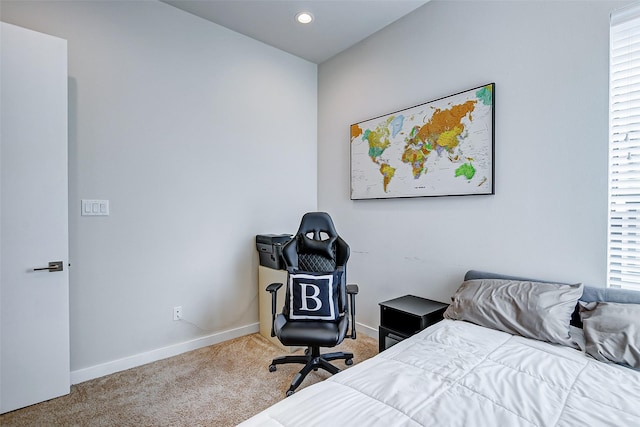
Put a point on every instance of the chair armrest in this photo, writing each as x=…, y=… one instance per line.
x=352, y=290
x=273, y=290
x=274, y=287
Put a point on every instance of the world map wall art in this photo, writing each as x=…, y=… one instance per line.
x=441, y=148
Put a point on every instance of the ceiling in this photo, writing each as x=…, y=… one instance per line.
x=337, y=25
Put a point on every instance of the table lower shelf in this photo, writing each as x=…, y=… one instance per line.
x=389, y=337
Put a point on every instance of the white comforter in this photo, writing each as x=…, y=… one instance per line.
x=459, y=374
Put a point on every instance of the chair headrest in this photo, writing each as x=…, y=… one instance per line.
x=317, y=222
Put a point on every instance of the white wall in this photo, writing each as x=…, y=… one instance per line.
x=547, y=220
x=192, y=132
x=185, y=127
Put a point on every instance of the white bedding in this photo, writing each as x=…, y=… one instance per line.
x=459, y=374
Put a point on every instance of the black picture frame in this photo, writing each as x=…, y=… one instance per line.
x=443, y=147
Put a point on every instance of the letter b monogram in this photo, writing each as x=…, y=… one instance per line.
x=313, y=295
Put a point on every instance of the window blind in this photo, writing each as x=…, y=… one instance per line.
x=623, y=249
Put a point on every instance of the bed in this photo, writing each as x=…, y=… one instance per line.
x=481, y=367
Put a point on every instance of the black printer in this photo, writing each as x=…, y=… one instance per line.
x=269, y=248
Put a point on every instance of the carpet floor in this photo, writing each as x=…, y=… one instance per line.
x=220, y=385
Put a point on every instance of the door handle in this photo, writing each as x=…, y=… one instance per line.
x=53, y=266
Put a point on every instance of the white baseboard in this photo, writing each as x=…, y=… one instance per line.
x=97, y=371
x=367, y=330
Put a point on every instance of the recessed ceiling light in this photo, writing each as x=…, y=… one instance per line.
x=304, y=17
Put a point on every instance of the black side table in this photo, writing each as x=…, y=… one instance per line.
x=405, y=316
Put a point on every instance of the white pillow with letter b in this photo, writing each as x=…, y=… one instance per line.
x=313, y=296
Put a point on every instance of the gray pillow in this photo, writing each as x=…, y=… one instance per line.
x=612, y=332
x=532, y=309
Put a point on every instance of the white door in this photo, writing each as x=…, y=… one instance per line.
x=34, y=305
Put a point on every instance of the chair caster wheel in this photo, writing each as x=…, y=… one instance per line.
x=290, y=393
x=348, y=362
x=272, y=368
x=306, y=351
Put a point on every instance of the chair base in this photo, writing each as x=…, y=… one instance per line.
x=312, y=361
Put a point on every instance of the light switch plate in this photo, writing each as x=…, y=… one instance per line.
x=94, y=208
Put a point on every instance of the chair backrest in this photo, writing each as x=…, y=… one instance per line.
x=317, y=247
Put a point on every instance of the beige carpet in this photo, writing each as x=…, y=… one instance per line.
x=220, y=385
